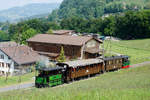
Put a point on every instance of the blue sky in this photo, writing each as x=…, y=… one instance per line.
x=5, y=4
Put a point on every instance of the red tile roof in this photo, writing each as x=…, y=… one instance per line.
x=8, y=44
x=21, y=54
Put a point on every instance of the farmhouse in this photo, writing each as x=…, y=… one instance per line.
x=75, y=47
x=63, y=32
x=15, y=59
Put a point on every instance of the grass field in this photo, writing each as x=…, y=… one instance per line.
x=15, y=80
x=126, y=84
x=138, y=50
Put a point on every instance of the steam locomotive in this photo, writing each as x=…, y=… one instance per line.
x=72, y=70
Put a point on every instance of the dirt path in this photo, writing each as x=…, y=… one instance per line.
x=140, y=64
x=16, y=87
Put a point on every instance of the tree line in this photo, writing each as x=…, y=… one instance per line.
x=130, y=25
x=23, y=30
x=96, y=8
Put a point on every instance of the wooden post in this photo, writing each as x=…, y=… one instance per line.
x=82, y=51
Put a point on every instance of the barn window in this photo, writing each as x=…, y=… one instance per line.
x=2, y=56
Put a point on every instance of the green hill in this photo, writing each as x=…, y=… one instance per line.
x=138, y=50
x=127, y=84
x=96, y=8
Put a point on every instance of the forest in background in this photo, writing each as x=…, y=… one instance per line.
x=96, y=8
x=125, y=24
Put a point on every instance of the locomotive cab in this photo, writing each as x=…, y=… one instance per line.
x=49, y=77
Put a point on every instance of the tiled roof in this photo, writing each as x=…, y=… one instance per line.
x=8, y=44
x=60, y=39
x=61, y=32
x=21, y=54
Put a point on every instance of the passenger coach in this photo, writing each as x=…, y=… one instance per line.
x=81, y=68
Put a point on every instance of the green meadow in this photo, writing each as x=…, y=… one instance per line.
x=16, y=80
x=125, y=84
x=137, y=50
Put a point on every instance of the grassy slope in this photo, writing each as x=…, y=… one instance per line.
x=14, y=80
x=127, y=84
x=138, y=50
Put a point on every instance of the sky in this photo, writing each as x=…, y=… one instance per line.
x=5, y=4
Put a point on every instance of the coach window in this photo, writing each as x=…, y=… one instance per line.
x=110, y=62
x=120, y=61
x=73, y=69
x=107, y=62
x=117, y=61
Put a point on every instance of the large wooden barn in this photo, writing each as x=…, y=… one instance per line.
x=75, y=47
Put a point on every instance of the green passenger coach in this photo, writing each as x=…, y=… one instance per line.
x=49, y=77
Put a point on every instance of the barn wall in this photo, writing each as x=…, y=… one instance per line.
x=92, y=44
x=71, y=52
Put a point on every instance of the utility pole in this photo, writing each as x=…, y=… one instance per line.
x=103, y=49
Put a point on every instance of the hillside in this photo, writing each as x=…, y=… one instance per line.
x=137, y=50
x=127, y=84
x=96, y=8
x=17, y=13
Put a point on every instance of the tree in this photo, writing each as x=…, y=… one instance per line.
x=27, y=34
x=3, y=36
x=50, y=31
x=61, y=57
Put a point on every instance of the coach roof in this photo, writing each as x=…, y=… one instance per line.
x=84, y=62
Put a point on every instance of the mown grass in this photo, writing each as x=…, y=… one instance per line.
x=16, y=79
x=138, y=50
x=127, y=84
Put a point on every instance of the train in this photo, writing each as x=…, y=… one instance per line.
x=69, y=71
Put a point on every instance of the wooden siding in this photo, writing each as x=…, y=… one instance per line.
x=113, y=64
x=92, y=44
x=85, y=70
x=71, y=52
